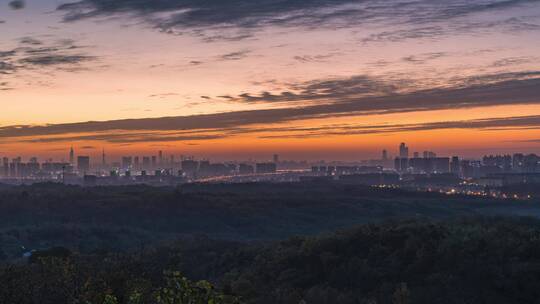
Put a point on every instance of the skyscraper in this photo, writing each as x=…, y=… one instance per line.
x=127, y=162
x=146, y=162
x=403, y=151
x=103, y=159
x=5, y=165
x=71, y=156
x=455, y=166
x=385, y=155
x=83, y=164
x=136, y=163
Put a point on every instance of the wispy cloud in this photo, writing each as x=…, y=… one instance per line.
x=424, y=58
x=55, y=59
x=488, y=124
x=125, y=138
x=440, y=29
x=314, y=58
x=328, y=90
x=237, y=19
x=380, y=92
x=299, y=132
x=528, y=141
x=17, y=4
x=6, y=67
x=512, y=61
x=33, y=54
x=238, y=55
x=163, y=95
x=4, y=86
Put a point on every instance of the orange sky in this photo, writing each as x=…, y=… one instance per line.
x=479, y=63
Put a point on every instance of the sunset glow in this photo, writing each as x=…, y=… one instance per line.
x=307, y=79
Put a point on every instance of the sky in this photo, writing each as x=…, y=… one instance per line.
x=239, y=79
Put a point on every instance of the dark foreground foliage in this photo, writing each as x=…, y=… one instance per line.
x=481, y=260
x=124, y=219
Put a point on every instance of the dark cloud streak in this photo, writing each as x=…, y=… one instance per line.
x=337, y=99
x=489, y=124
x=236, y=19
x=36, y=55
x=56, y=59
x=17, y=4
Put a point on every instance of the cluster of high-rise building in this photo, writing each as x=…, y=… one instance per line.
x=161, y=169
x=17, y=168
x=130, y=167
x=430, y=163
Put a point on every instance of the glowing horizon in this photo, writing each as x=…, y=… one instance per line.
x=307, y=80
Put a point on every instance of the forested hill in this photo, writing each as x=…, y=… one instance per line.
x=267, y=244
x=121, y=218
x=473, y=261
x=124, y=218
x=481, y=260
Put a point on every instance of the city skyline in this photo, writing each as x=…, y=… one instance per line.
x=100, y=156
x=308, y=80
x=161, y=157
x=427, y=170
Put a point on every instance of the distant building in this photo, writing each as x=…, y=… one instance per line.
x=127, y=162
x=246, y=169
x=189, y=167
x=72, y=156
x=403, y=151
x=146, y=163
x=397, y=164
x=204, y=167
x=423, y=165
x=263, y=168
x=455, y=166
x=53, y=168
x=103, y=159
x=429, y=154
x=83, y=164
x=518, y=161
x=441, y=165
x=5, y=166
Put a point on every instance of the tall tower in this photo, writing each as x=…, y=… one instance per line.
x=403, y=151
x=103, y=159
x=71, y=156
x=384, y=155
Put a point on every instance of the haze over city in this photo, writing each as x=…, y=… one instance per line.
x=229, y=80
